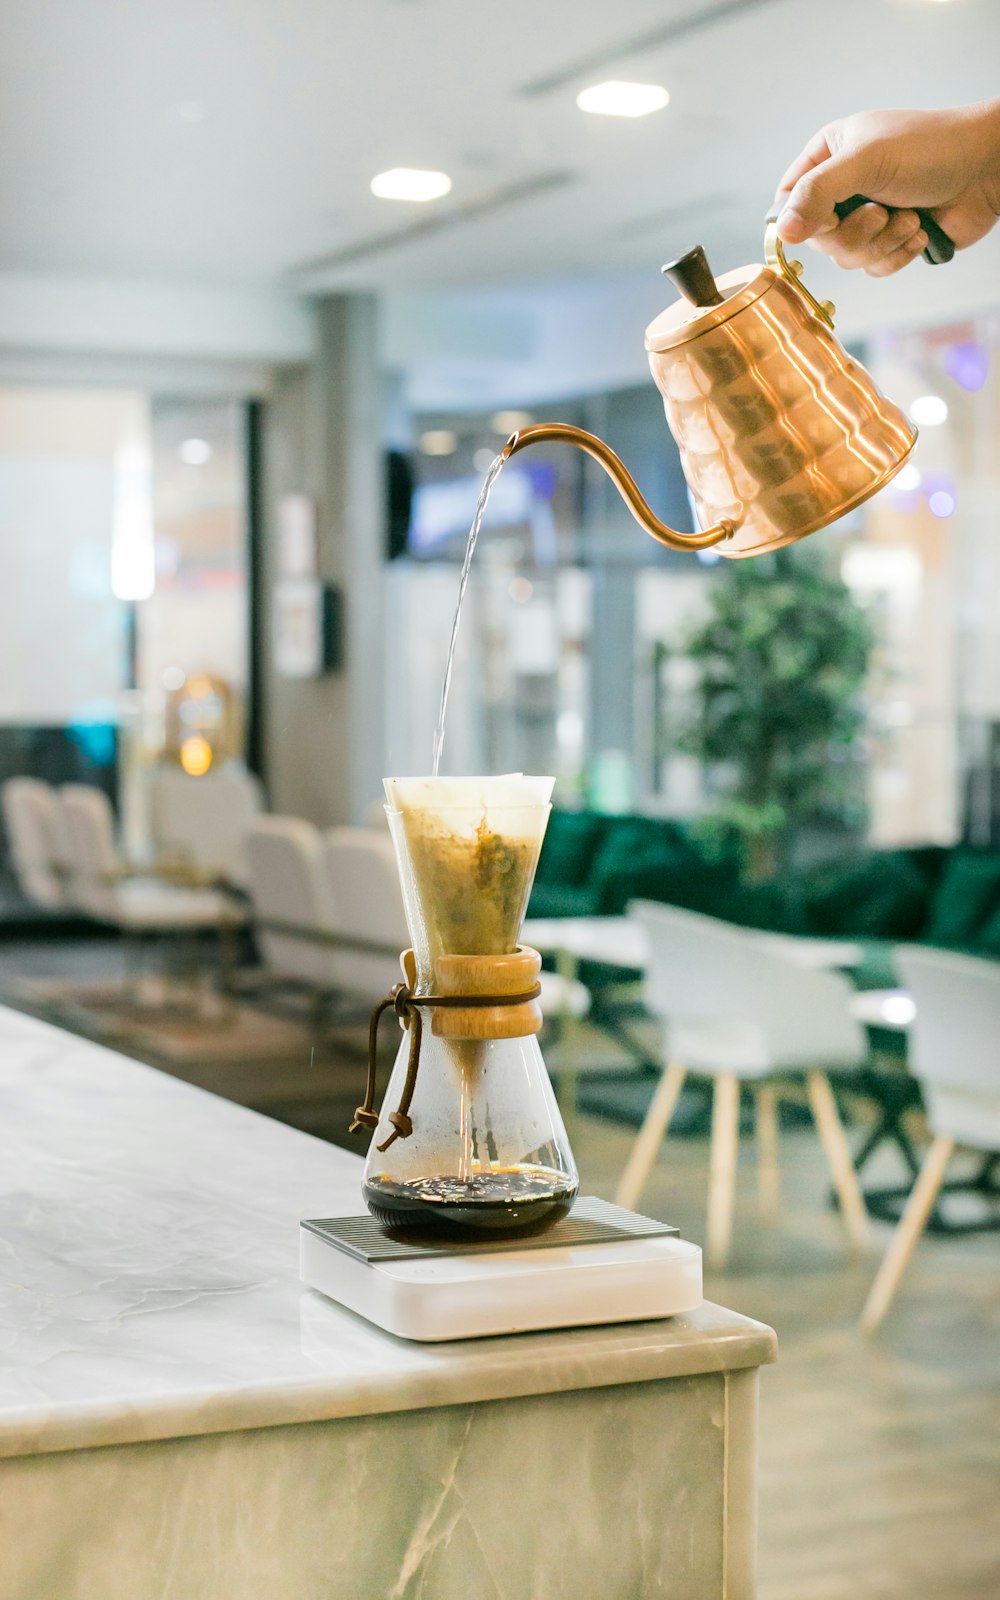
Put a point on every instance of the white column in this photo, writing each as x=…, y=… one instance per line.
x=323, y=437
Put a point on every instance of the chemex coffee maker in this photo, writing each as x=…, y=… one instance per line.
x=470, y=1136
x=474, y=1224
x=780, y=431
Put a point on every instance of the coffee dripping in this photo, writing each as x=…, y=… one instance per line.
x=469, y=1136
x=780, y=431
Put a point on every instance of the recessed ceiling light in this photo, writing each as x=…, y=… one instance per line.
x=506, y=422
x=438, y=442
x=410, y=183
x=615, y=99
x=929, y=410
x=195, y=452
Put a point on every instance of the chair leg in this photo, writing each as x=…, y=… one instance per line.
x=568, y=1044
x=768, y=1175
x=227, y=963
x=908, y=1230
x=131, y=962
x=651, y=1135
x=320, y=1002
x=838, y=1156
x=722, y=1167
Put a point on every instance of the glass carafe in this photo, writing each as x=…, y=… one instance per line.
x=479, y=1143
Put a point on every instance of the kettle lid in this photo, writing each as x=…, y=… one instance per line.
x=705, y=301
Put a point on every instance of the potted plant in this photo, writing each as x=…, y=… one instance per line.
x=782, y=657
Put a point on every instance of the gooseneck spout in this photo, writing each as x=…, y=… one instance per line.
x=565, y=433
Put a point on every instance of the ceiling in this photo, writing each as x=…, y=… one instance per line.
x=232, y=142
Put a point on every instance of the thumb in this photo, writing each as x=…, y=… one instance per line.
x=808, y=208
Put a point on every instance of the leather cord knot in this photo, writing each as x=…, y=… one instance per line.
x=407, y=1007
x=402, y=1124
x=363, y=1118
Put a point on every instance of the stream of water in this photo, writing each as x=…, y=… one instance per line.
x=470, y=550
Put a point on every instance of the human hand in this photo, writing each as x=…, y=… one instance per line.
x=946, y=162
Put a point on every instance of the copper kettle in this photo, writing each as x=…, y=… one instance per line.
x=780, y=431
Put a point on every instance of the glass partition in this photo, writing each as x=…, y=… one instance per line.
x=123, y=612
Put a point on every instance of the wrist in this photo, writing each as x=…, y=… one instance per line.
x=989, y=125
x=986, y=121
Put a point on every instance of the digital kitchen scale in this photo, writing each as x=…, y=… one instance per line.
x=597, y=1265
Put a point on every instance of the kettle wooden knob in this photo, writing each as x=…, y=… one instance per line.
x=692, y=275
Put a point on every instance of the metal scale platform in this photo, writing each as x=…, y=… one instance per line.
x=597, y=1265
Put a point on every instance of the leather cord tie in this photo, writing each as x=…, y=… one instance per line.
x=407, y=1008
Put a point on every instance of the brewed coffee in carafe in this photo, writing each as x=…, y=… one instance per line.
x=469, y=1136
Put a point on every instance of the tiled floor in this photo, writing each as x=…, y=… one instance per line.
x=880, y=1460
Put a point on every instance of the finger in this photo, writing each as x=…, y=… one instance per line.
x=899, y=228
x=858, y=230
x=850, y=248
x=968, y=219
x=813, y=196
x=815, y=152
x=898, y=258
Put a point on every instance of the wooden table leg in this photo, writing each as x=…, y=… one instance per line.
x=567, y=1073
x=651, y=1135
x=722, y=1167
x=911, y=1226
x=768, y=1175
x=838, y=1155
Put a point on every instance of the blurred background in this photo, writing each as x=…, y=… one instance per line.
x=210, y=326
x=276, y=282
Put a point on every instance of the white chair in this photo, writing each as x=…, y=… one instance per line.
x=291, y=900
x=954, y=1053
x=100, y=884
x=203, y=822
x=35, y=835
x=366, y=905
x=736, y=1011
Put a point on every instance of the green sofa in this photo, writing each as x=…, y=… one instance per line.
x=593, y=865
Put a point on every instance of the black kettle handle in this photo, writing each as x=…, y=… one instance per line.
x=940, y=248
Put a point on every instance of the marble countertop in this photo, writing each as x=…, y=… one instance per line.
x=149, y=1274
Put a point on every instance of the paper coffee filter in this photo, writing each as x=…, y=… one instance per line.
x=467, y=849
x=446, y=794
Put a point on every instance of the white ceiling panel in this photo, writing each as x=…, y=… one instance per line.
x=233, y=141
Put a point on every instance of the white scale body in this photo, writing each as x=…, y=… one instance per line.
x=472, y=1296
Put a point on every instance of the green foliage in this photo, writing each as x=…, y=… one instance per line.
x=782, y=658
